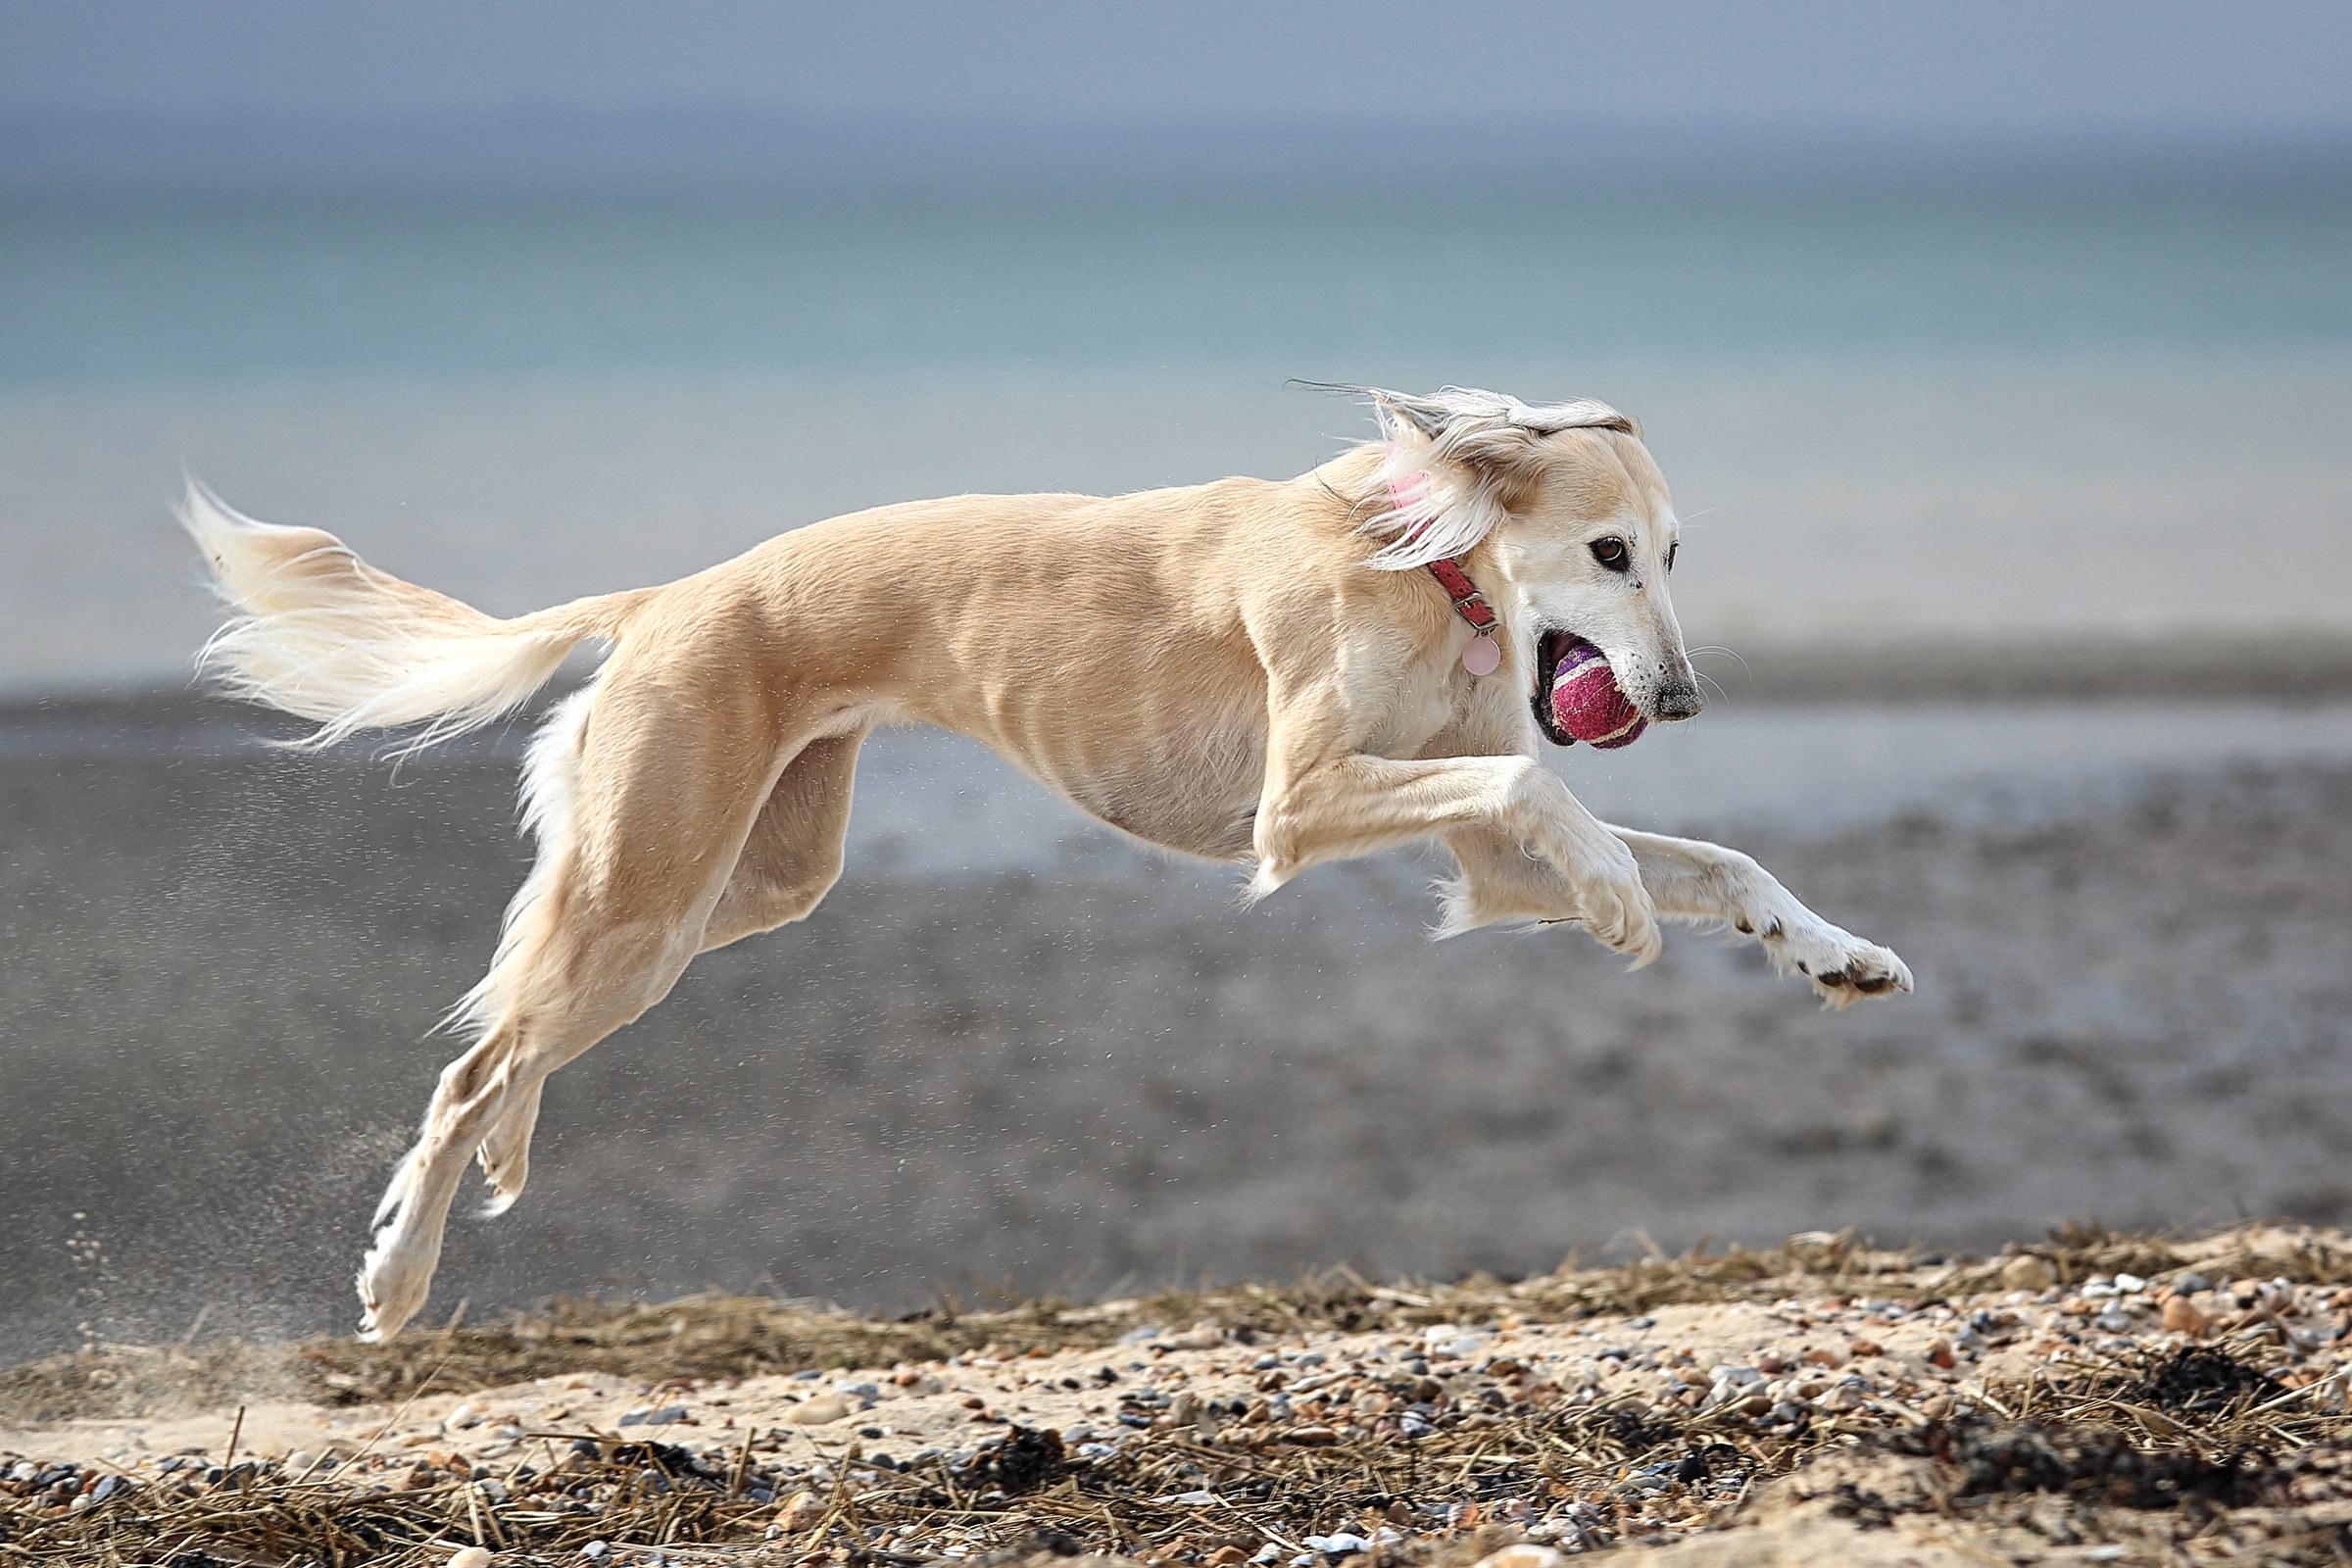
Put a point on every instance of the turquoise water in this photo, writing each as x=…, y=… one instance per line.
x=1916, y=407
x=128, y=290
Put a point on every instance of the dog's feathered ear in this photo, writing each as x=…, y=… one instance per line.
x=1457, y=459
x=1488, y=430
x=1424, y=415
x=1470, y=425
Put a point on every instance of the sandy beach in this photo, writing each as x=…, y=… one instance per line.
x=2086, y=1399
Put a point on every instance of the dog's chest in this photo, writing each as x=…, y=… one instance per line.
x=1404, y=708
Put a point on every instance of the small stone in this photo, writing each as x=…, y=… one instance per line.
x=2026, y=1272
x=816, y=1412
x=469, y=1557
x=464, y=1415
x=1227, y=1558
x=1940, y=1353
x=1523, y=1556
x=299, y=1462
x=1311, y=1437
x=2182, y=1316
x=801, y=1508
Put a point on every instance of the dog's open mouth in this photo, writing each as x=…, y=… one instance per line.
x=1576, y=697
x=1552, y=649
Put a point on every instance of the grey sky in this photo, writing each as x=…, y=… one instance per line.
x=2000, y=70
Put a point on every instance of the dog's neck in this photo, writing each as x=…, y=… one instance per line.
x=1483, y=654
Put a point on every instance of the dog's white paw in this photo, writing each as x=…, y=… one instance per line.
x=1613, y=906
x=1841, y=966
x=393, y=1283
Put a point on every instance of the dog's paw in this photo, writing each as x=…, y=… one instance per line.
x=1841, y=966
x=392, y=1288
x=1614, y=908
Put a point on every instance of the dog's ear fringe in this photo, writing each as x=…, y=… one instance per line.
x=1464, y=420
x=1451, y=455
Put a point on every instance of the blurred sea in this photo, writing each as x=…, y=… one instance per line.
x=1927, y=406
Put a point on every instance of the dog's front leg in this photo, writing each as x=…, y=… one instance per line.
x=1695, y=880
x=1689, y=880
x=1357, y=805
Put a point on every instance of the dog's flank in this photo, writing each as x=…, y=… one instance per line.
x=1223, y=671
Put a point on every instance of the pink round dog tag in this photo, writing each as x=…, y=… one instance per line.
x=1483, y=656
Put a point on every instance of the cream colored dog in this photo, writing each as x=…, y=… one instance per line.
x=1247, y=670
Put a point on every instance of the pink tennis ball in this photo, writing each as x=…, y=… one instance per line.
x=1588, y=702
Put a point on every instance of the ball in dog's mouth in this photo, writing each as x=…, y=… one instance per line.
x=1578, y=697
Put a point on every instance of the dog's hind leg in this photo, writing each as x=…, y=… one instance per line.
x=664, y=794
x=793, y=855
x=789, y=863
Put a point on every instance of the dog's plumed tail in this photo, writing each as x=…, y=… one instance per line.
x=320, y=634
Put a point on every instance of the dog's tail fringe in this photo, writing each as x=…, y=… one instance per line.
x=319, y=633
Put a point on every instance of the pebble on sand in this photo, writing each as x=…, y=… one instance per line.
x=469, y=1557
x=2183, y=1316
x=817, y=1411
x=2026, y=1272
x=1523, y=1556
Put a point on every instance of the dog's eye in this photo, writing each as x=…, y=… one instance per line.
x=1673, y=550
x=1611, y=552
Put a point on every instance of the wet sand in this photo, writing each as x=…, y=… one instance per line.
x=1080, y=1066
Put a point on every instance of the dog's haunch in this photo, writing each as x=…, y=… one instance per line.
x=1588, y=704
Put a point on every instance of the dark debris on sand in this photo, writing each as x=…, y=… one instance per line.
x=2228, y=1440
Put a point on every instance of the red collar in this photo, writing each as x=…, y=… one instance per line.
x=1484, y=654
x=1468, y=601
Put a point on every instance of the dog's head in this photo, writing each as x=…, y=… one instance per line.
x=1578, y=529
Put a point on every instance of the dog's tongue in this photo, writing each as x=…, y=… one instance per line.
x=1587, y=703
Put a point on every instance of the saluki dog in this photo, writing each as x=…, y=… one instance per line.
x=1254, y=671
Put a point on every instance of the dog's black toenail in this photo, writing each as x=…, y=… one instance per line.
x=1874, y=985
x=1743, y=928
x=1832, y=977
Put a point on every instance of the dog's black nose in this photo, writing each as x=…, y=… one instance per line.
x=1679, y=702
